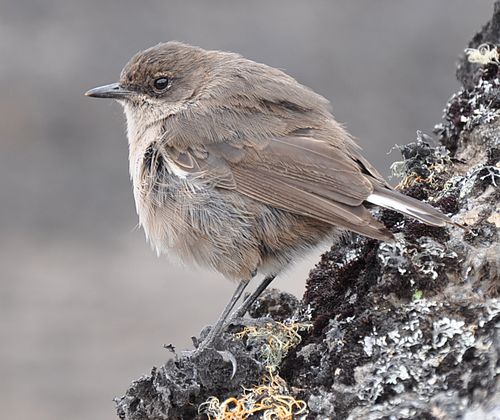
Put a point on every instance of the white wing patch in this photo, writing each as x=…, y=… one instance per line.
x=391, y=203
x=176, y=170
x=421, y=211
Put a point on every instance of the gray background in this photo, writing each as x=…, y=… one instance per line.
x=85, y=306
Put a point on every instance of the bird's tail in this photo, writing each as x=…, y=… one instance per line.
x=394, y=200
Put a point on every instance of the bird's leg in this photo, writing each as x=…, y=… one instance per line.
x=220, y=324
x=242, y=310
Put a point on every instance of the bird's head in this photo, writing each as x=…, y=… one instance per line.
x=160, y=81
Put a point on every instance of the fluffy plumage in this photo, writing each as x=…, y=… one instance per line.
x=239, y=167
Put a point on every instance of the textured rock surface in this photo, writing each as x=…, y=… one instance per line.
x=408, y=329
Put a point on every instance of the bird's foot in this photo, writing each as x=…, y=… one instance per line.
x=210, y=347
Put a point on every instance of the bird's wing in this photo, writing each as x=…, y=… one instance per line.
x=298, y=174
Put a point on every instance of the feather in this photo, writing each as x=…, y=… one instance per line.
x=409, y=206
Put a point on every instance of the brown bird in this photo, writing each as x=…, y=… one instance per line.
x=237, y=166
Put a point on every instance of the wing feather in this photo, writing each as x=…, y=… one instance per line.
x=278, y=193
x=301, y=175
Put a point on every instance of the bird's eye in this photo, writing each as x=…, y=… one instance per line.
x=161, y=83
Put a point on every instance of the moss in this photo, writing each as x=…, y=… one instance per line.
x=415, y=230
x=448, y=204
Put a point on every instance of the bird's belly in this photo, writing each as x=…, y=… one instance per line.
x=198, y=224
x=224, y=230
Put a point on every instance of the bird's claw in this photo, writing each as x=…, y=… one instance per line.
x=227, y=356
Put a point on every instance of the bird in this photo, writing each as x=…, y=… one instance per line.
x=238, y=167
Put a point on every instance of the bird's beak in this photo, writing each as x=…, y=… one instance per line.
x=113, y=91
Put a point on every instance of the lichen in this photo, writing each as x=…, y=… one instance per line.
x=409, y=328
x=274, y=340
x=477, y=105
x=270, y=398
x=484, y=54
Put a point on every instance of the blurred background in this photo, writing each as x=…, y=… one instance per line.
x=85, y=305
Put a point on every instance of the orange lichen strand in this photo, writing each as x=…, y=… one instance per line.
x=270, y=400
